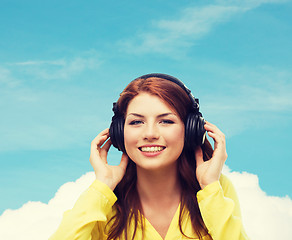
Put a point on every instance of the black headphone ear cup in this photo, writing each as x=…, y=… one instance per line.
x=195, y=132
x=116, y=132
x=201, y=131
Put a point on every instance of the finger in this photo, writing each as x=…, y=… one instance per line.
x=98, y=141
x=212, y=128
x=101, y=135
x=214, y=132
x=219, y=145
x=95, y=145
x=104, y=150
x=103, y=132
x=124, y=161
x=219, y=138
x=199, y=156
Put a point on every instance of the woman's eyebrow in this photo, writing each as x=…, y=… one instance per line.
x=135, y=114
x=159, y=116
x=165, y=115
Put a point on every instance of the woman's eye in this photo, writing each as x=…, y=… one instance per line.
x=167, y=121
x=135, y=122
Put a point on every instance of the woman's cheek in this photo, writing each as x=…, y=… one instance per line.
x=175, y=134
x=130, y=137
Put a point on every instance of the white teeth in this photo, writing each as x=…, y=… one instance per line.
x=151, y=149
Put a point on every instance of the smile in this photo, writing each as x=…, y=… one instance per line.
x=151, y=149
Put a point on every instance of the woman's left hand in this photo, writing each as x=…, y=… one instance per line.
x=210, y=171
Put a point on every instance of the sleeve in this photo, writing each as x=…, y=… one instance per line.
x=219, y=206
x=91, y=209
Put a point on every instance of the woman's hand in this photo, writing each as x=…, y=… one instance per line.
x=210, y=171
x=110, y=175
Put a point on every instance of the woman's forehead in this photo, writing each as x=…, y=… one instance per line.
x=145, y=103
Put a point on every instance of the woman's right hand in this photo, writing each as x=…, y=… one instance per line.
x=110, y=175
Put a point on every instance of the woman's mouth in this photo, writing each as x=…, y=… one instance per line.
x=152, y=149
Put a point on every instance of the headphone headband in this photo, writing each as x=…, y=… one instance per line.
x=195, y=101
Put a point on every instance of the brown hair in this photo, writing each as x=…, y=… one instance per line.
x=128, y=204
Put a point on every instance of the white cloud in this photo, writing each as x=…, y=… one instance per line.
x=58, y=68
x=170, y=36
x=60, y=62
x=249, y=4
x=6, y=79
x=252, y=107
x=248, y=96
x=197, y=21
x=50, y=119
x=167, y=36
x=37, y=220
x=40, y=112
x=265, y=217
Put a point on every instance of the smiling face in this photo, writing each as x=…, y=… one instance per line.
x=153, y=133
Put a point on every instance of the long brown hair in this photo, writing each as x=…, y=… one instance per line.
x=128, y=203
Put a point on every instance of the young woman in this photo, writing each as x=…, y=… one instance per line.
x=168, y=184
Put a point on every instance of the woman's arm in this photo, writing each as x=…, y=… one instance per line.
x=93, y=207
x=217, y=200
x=96, y=203
x=219, y=206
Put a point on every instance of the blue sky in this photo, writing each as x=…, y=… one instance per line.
x=63, y=64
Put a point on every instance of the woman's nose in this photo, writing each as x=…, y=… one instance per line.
x=151, y=132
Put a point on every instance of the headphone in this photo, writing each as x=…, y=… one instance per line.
x=195, y=132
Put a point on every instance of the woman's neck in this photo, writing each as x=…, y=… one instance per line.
x=158, y=186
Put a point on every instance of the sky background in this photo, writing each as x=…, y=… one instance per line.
x=63, y=64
